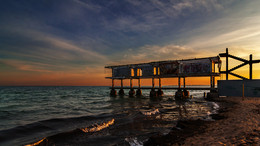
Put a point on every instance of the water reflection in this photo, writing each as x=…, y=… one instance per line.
x=142, y=116
x=182, y=108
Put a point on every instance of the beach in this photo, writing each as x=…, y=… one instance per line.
x=237, y=123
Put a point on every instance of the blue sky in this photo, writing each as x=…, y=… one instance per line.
x=79, y=37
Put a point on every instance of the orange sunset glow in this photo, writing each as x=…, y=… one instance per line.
x=71, y=46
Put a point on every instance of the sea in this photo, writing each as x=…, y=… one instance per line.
x=85, y=115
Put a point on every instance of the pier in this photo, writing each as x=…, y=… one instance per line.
x=181, y=69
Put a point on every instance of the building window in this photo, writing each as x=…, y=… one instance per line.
x=139, y=72
x=132, y=72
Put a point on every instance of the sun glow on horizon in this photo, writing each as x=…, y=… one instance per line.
x=73, y=49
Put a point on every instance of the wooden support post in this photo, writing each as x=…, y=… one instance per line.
x=113, y=91
x=179, y=82
x=139, y=83
x=184, y=84
x=121, y=83
x=153, y=93
x=139, y=91
x=132, y=91
x=113, y=83
x=160, y=83
x=131, y=83
x=121, y=91
x=227, y=64
x=214, y=65
x=213, y=82
x=250, y=67
x=153, y=82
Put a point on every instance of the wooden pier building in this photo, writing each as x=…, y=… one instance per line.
x=198, y=67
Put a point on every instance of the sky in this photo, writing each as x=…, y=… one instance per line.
x=68, y=42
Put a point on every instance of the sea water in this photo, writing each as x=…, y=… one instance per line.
x=29, y=114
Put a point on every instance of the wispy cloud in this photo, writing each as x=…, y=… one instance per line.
x=144, y=16
x=129, y=23
x=88, y=5
x=44, y=53
x=182, y=6
x=27, y=66
x=155, y=53
x=231, y=31
x=175, y=9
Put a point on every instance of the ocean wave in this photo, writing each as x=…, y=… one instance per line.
x=36, y=143
x=133, y=141
x=215, y=105
x=98, y=127
x=149, y=113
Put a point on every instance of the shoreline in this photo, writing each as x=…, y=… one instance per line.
x=237, y=123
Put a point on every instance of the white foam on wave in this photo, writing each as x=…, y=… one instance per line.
x=36, y=143
x=97, y=127
x=149, y=113
x=215, y=106
x=133, y=142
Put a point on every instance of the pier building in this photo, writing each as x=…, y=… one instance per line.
x=181, y=69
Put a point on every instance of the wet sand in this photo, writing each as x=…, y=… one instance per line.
x=236, y=124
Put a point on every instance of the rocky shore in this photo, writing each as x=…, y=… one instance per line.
x=237, y=123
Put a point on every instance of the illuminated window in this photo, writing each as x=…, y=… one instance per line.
x=139, y=72
x=154, y=71
x=132, y=72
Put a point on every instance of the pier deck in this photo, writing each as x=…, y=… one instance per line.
x=164, y=88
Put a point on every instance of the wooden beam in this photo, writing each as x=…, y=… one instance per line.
x=241, y=65
x=179, y=82
x=211, y=82
x=113, y=83
x=237, y=58
x=160, y=83
x=131, y=83
x=167, y=76
x=122, y=83
x=250, y=67
x=184, y=83
x=222, y=54
x=139, y=83
x=153, y=82
x=256, y=61
x=164, y=88
x=214, y=82
x=236, y=75
x=226, y=63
